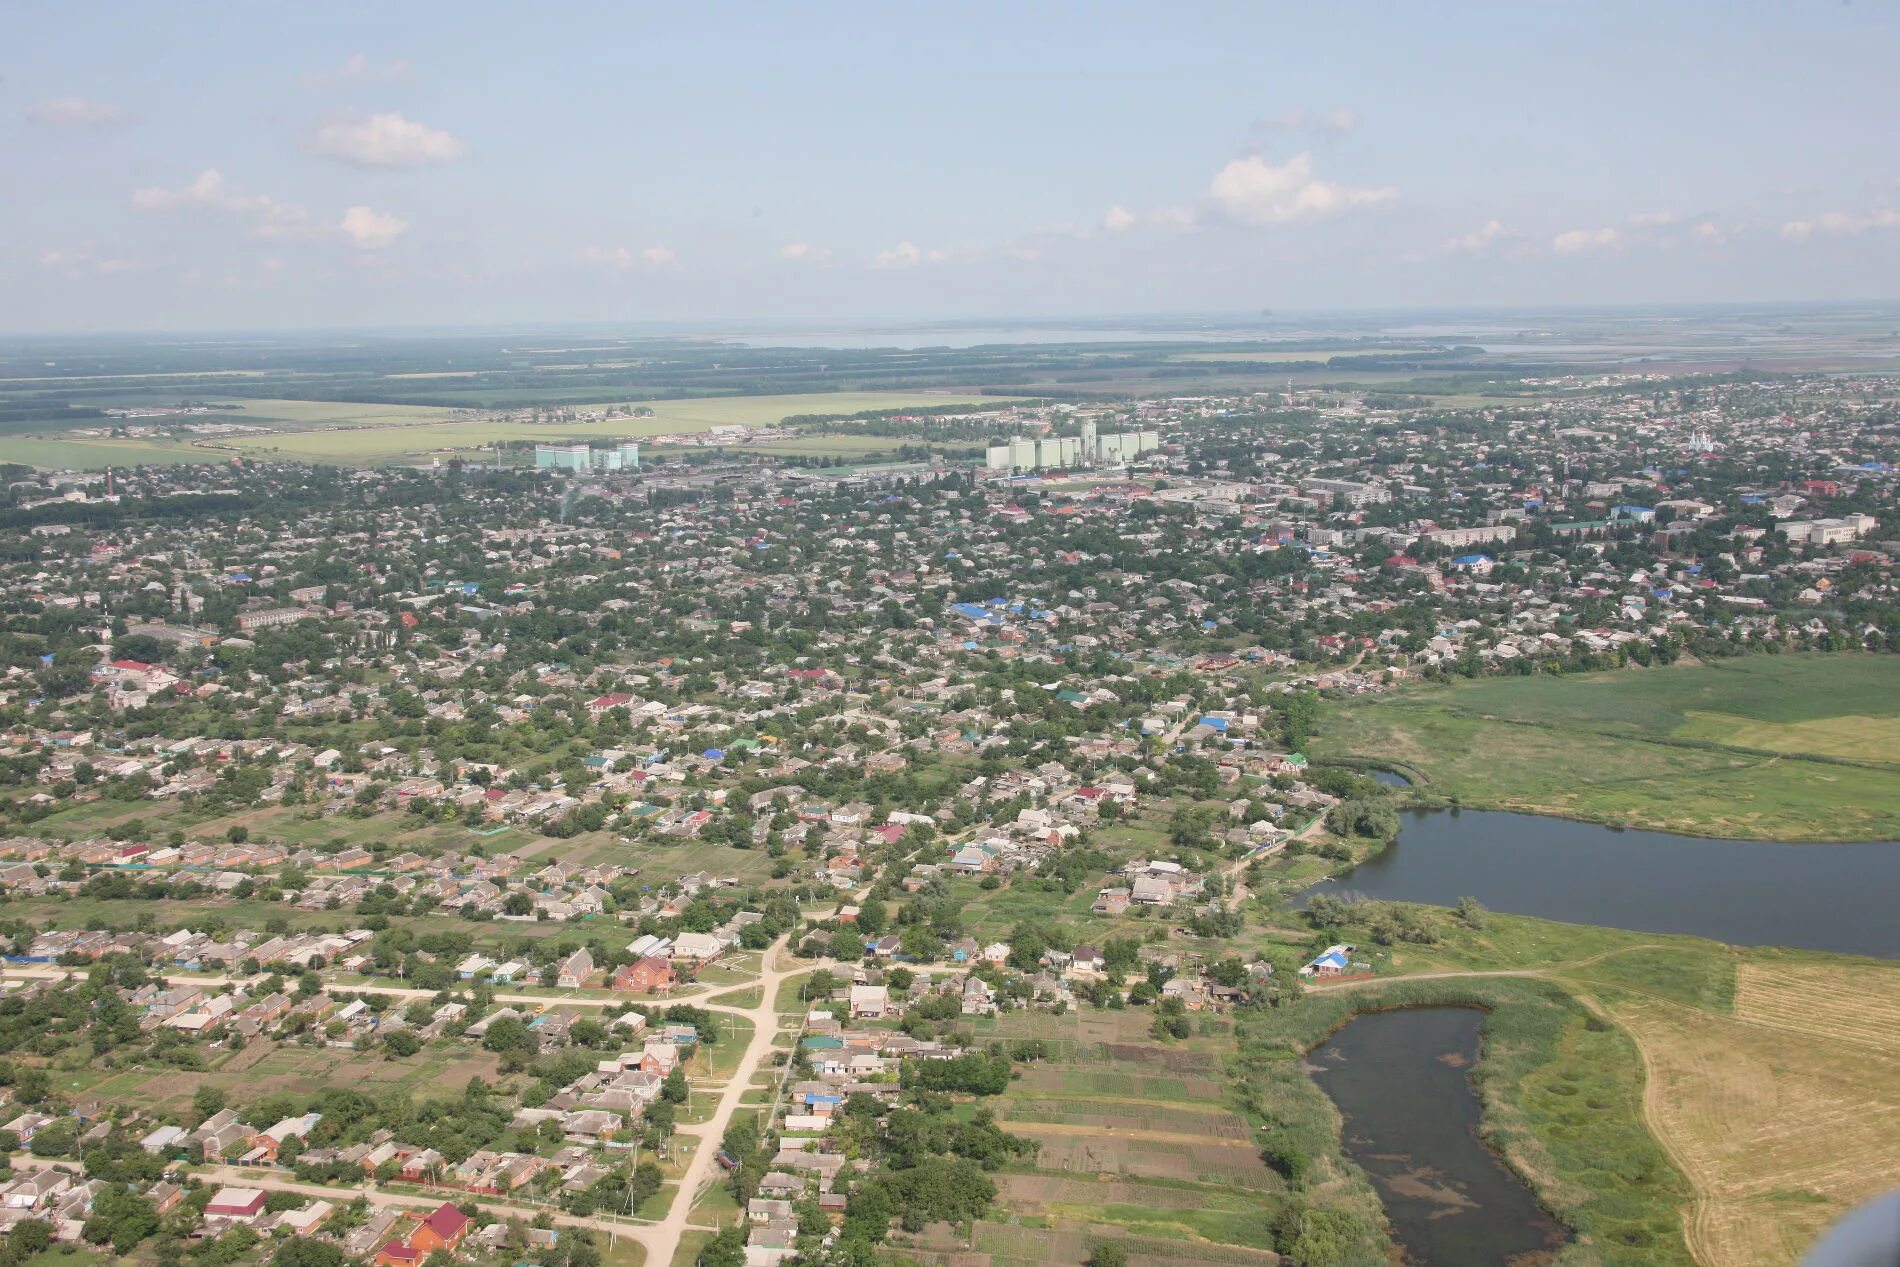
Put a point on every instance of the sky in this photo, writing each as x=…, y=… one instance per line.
x=203, y=166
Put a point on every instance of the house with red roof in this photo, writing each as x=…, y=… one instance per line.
x=443, y=1228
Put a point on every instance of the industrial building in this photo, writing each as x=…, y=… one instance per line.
x=582, y=457
x=1091, y=448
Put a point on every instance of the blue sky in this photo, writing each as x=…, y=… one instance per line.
x=218, y=166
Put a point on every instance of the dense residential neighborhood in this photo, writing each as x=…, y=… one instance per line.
x=485, y=860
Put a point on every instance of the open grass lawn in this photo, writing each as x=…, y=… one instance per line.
x=1792, y=747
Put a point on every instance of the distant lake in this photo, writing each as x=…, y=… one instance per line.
x=1402, y=1083
x=1839, y=898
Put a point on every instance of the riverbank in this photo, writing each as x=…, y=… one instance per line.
x=1797, y=748
x=1767, y=1081
x=1561, y=1092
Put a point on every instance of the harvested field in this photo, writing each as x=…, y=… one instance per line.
x=1783, y=1116
x=1861, y=1005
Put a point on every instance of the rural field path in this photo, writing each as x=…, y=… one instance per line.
x=1548, y=970
x=662, y=1238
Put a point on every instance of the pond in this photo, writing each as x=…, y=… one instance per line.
x=1744, y=892
x=1402, y=1083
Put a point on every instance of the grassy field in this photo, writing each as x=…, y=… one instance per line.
x=371, y=442
x=1793, y=747
x=264, y=1068
x=53, y=453
x=361, y=433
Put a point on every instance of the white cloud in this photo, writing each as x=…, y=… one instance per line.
x=1841, y=222
x=82, y=260
x=1255, y=192
x=269, y=218
x=804, y=251
x=370, y=230
x=1709, y=231
x=1479, y=238
x=1577, y=241
x=1026, y=254
x=1291, y=121
x=384, y=140
x=1118, y=219
x=906, y=255
x=655, y=256
x=1338, y=121
x=356, y=69
x=1655, y=219
x=76, y=112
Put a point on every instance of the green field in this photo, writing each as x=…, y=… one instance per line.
x=52, y=453
x=1792, y=747
x=380, y=442
x=355, y=433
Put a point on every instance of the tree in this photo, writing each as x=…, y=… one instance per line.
x=207, y=1100
x=1107, y=1254
x=727, y=1249
x=402, y=1044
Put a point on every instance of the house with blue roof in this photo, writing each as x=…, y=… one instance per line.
x=1335, y=961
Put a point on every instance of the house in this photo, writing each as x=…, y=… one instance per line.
x=697, y=948
x=36, y=1189
x=870, y=1002
x=649, y=975
x=236, y=1203
x=367, y=1239
x=1333, y=962
x=575, y=970
x=444, y=1229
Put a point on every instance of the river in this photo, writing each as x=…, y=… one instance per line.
x=1744, y=892
x=1402, y=1082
